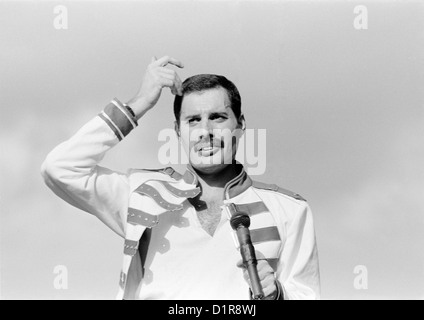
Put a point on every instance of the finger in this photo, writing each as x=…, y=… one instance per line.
x=247, y=279
x=162, y=62
x=268, y=284
x=167, y=70
x=176, y=88
x=264, y=270
x=177, y=80
x=268, y=281
x=164, y=82
x=245, y=275
x=178, y=84
x=166, y=75
x=270, y=289
x=240, y=264
x=153, y=59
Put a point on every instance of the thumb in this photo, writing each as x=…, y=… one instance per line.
x=240, y=264
x=153, y=59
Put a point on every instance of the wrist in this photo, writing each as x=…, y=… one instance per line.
x=130, y=110
x=139, y=106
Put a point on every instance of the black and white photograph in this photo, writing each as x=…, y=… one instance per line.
x=232, y=150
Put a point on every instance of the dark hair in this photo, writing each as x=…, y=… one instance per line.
x=204, y=82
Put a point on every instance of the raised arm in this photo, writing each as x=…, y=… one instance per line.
x=72, y=169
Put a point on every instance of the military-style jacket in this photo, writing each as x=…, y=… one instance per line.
x=167, y=254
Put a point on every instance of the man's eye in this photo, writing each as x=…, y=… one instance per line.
x=217, y=117
x=193, y=120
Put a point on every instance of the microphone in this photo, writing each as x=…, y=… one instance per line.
x=240, y=222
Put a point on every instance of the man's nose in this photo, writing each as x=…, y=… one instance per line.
x=206, y=128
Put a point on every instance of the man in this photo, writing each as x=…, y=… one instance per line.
x=178, y=240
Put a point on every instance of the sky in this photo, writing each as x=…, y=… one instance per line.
x=343, y=111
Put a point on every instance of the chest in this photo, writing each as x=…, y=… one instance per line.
x=209, y=215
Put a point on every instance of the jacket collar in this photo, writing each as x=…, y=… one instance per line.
x=232, y=189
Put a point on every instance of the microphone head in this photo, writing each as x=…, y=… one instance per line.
x=240, y=219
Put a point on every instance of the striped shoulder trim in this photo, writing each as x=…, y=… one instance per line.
x=167, y=171
x=274, y=187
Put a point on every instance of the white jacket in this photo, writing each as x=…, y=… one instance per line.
x=176, y=258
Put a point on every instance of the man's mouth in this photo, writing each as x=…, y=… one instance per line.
x=207, y=149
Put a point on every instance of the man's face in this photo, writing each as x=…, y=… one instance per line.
x=207, y=127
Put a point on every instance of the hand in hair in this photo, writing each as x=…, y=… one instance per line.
x=156, y=77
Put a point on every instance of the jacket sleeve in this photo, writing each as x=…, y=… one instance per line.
x=72, y=171
x=298, y=268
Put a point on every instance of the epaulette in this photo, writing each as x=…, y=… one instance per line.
x=168, y=171
x=274, y=187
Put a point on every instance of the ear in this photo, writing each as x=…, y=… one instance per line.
x=241, y=122
x=177, y=128
x=240, y=128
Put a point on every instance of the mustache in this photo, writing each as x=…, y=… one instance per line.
x=209, y=143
